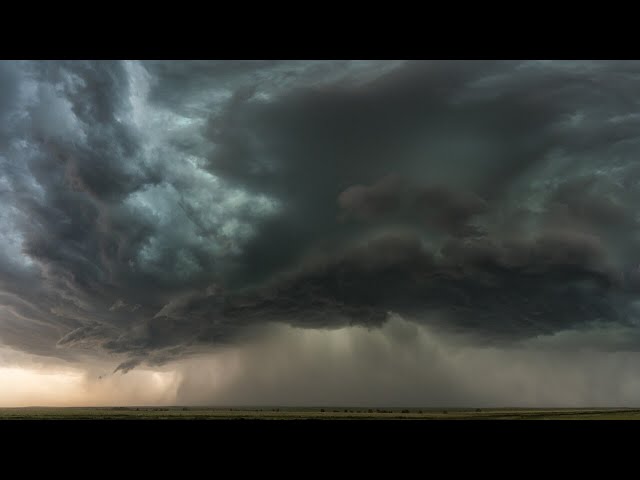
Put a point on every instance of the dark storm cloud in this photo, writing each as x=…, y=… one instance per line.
x=437, y=207
x=155, y=209
x=481, y=128
x=498, y=290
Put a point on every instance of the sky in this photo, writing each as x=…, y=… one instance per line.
x=366, y=233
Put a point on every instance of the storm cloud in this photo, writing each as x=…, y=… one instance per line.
x=154, y=211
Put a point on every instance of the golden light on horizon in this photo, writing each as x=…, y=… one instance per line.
x=31, y=387
x=22, y=387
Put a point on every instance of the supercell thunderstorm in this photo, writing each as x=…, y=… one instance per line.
x=156, y=211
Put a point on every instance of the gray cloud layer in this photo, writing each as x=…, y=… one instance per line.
x=157, y=209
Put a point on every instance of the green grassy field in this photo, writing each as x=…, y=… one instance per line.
x=329, y=413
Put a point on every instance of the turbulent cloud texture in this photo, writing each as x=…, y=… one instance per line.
x=150, y=211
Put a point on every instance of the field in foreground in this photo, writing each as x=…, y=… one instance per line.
x=328, y=413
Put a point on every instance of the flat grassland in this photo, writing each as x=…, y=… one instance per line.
x=318, y=413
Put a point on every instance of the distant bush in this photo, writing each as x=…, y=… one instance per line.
x=478, y=410
x=444, y=411
x=405, y=411
x=322, y=410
